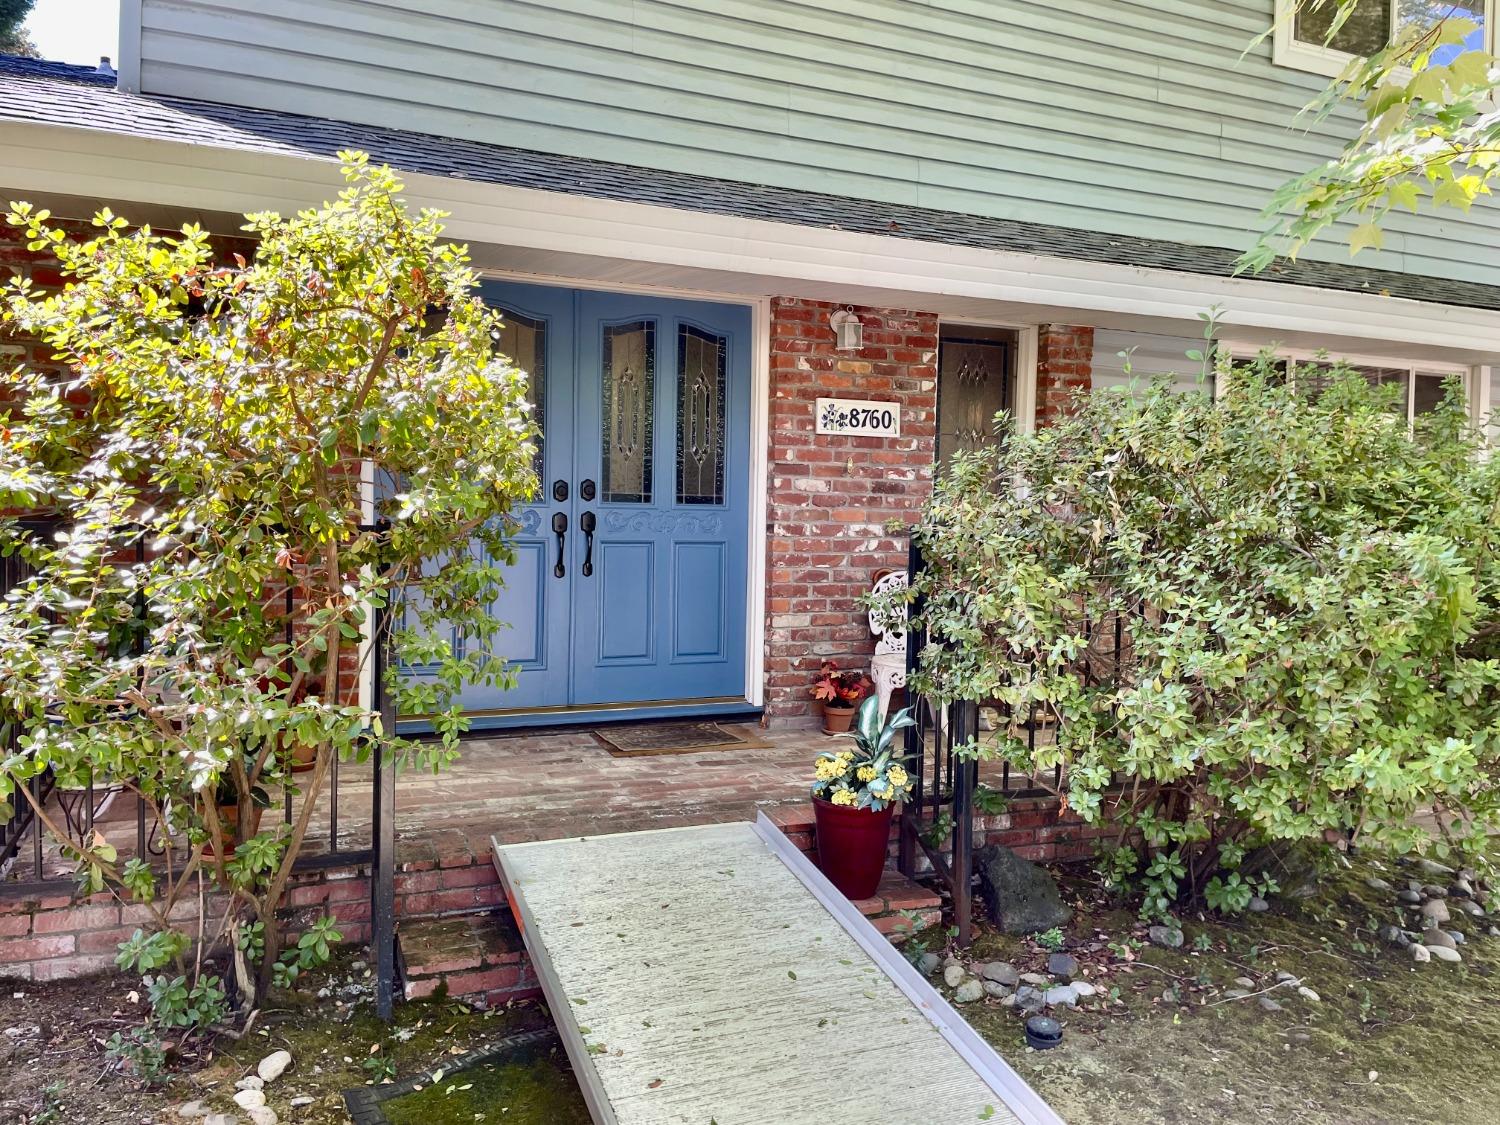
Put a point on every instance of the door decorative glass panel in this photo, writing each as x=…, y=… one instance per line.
x=523, y=340
x=973, y=386
x=628, y=401
x=700, y=416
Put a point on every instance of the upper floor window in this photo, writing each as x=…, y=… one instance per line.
x=1305, y=36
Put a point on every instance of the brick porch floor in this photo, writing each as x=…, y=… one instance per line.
x=550, y=784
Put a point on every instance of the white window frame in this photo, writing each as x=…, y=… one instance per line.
x=1241, y=351
x=1289, y=51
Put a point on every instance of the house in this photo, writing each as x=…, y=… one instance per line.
x=770, y=262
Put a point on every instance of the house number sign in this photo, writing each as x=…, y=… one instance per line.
x=857, y=418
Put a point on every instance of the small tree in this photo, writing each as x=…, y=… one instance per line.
x=1310, y=599
x=225, y=433
x=1429, y=136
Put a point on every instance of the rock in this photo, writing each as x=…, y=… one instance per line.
x=1244, y=982
x=928, y=963
x=1001, y=973
x=1063, y=994
x=1432, y=867
x=1394, y=935
x=1084, y=989
x=1169, y=937
x=1494, y=931
x=1443, y=953
x=250, y=1082
x=1284, y=977
x=953, y=975
x=1063, y=966
x=220, y=1119
x=1008, y=1001
x=1036, y=980
x=300, y=1101
x=1269, y=1005
x=1420, y=954
x=1457, y=936
x=1020, y=896
x=1432, y=890
x=250, y=1099
x=192, y=1109
x=274, y=1065
x=1259, y=905
x=1308, y=994
x=996, y=989
x=1235, y=993
x=263, y=1115
x=1461, y=889
x=1376, y=883
x=1471, y=908
x=1410, y=896
x=1029, y=1000
x=969, y=991
x=1435, y=910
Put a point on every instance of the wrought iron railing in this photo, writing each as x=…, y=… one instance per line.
x=30, y=864
x=949, y=787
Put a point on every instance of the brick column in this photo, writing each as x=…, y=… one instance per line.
x=1064, y=367
x=831, y=497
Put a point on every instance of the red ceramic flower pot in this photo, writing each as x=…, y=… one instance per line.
x=852, y=845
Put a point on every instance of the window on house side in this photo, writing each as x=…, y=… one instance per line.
x=1306, y=39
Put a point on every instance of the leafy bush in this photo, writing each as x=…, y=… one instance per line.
x=1309, y=598
x=329, y=423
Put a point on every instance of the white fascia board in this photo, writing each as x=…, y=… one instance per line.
x=111, y=166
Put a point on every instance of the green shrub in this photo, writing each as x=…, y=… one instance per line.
x=222, y=431
x=1310, y=601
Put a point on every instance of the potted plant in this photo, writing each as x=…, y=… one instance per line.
x=854, y=796
x=840, y=692
x=226, y=803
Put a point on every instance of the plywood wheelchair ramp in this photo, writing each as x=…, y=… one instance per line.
x=712, y=974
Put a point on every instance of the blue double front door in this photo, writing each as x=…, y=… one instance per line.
x=629, y=585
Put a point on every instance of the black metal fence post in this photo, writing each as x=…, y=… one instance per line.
x=965, y=719
x=383, y=843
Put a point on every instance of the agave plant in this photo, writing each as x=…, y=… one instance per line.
x=873, y=774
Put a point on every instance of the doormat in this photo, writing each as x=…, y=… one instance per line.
x=640, y=739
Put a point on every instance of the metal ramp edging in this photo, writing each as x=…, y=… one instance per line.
x=996, y=1073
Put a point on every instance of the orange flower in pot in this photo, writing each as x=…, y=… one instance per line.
x=840, y=692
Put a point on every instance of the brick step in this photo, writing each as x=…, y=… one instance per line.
x=477, y=956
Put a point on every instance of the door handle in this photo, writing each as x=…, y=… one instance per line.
x=560, y=526
x=587, y=522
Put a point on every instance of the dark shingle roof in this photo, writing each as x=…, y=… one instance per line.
x=46, y=68
x=57, y=94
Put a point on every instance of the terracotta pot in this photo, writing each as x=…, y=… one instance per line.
x=837, y=720
x=303, y=757
x=229, y=819
x=852, y=845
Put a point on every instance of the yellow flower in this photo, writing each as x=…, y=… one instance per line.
x=866, y=773
x=843, y=797
x=827, y=769
x=845, y=759
x=897, y=776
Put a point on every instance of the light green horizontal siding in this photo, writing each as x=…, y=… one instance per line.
x=1110, y=115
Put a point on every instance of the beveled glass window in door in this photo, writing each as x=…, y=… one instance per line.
x=700, y=416
x=629, y=385
x=974, y=384
x=523, y=341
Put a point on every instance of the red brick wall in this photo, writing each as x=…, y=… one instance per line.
x=1064, y=367
x=831, y=497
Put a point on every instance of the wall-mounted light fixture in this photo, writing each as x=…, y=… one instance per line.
x=849, y=333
